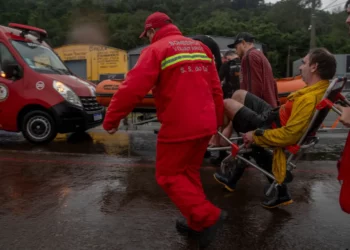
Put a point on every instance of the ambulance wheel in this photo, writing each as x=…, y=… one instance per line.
x=38, y=127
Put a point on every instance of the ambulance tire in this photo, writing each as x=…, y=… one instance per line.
x=38, y=127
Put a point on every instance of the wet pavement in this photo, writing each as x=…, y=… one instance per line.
x=96, y=191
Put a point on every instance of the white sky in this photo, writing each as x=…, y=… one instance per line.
x=325, y=3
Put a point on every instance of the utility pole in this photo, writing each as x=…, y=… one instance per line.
x=313, y=25
x=288, y=60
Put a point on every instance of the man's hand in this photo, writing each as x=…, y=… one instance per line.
x=345, y=117
x=112, y=131
x=248, y=139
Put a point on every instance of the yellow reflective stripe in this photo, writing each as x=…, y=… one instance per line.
x=171, y=60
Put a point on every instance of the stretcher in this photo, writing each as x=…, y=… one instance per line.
x=293, y=152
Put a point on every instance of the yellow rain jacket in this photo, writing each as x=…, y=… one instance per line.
x=304, y=106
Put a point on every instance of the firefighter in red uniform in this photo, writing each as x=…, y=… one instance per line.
x=344, y=163
x=182, y=75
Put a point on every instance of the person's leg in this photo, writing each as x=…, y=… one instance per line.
x=177, y=172
x=344, y=176
x=239, y=96
x=344, y=197
x=281, y=198
x=244, y=118
x=231, y=108
x=264, y=159
x=251, y=101
x=212, y=222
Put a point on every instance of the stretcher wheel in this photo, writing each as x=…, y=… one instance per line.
x=273, y=192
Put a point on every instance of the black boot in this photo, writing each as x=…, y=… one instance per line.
x=207, y=154
x=208, y=234
x=217, y=161
x=230, y=179
x=183, y=228
x=281, y=198
x=205, y=235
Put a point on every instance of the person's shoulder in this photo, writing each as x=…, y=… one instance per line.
x=306, y=98
x=149, y=49
x=256, y=54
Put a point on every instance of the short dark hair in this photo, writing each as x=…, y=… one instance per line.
x=231, y=53
x=326, y=62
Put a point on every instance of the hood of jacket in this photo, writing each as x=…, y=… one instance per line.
x=168, y=30
x=315, y=89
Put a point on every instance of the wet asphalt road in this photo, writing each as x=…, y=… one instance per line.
x=95, y=191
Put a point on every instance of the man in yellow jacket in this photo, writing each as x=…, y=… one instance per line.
x=277, y=128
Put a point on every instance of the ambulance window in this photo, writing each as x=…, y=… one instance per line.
x=5, y=55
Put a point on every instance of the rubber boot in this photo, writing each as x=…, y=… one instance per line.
x=208, y=235
x=281, y=198
x=217, y=161
x=207, y=154
x=230, y=180
x=183, y=228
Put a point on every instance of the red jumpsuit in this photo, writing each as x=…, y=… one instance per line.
x=189, y=102
x=344, y=175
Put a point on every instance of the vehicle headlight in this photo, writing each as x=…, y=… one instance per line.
x=67, y=93
x=92, y=90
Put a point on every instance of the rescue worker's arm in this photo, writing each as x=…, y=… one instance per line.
x=217, y=95
x=296, y=126
x=138, y=83
x=345, y=117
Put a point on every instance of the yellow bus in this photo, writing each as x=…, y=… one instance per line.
x=93, y=62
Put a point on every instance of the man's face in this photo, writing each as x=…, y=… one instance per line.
x=307, y=70
x=240, y=49
x=150, y=34
x=348, y=18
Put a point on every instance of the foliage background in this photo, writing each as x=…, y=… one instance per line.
x=118, y=23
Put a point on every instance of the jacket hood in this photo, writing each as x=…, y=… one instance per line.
x=315, y=89
x=168, y=30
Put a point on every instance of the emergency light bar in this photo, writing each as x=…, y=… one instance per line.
x=26, y=29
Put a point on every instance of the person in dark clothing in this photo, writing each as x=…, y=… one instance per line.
x=256, y=77
x=213, y=46
x=215, y=50
x=229, y=77
x=256, y=71
x=229, y=74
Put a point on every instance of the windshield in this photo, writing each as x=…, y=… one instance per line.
x=40, y=58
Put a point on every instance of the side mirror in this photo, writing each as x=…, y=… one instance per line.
x=11, y=70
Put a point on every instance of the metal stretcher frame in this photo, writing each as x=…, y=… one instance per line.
x=308, y=140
